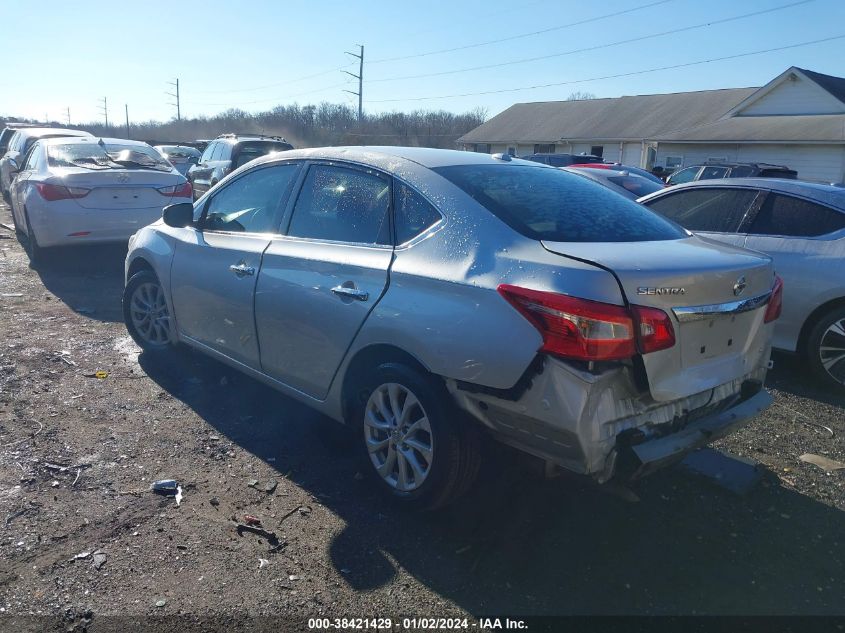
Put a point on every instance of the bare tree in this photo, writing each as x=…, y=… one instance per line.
x=580, y=96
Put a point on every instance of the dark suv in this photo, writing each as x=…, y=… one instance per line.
x=562, y=160
x=228, y=152
x=710, y=171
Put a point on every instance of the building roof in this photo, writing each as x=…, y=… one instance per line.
x=623, y=118
x=834, y=85
x=807, y=128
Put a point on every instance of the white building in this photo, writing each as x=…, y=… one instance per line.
x=797, y=120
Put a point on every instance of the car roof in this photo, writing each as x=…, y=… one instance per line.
x=832, y=195
x=44, y=131
x=425, y=156
x=93, y=140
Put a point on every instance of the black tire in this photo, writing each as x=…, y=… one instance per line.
x=33, y=250
x=455, y=454
x=135, y=283
x=820, y=335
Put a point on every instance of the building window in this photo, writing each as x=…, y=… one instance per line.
x=597, y=150
x=482, y=148
x=673, y=162
x=544, y=148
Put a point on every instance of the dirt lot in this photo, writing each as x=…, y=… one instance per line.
x=79, y=453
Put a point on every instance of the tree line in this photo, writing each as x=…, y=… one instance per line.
x=309, y=126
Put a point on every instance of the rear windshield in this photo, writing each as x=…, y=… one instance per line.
x=250, y=150
x=550, y=204
x=179, y=151
x=109, y=156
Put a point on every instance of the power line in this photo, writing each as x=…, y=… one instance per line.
x=276, y=99
x=617, y=76
x=360, y=78
x=520, y=36
x=596, y=47
x=276, y=85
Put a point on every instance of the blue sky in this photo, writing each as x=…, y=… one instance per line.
x=257, y=54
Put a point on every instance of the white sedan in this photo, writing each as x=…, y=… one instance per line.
x=85, y=191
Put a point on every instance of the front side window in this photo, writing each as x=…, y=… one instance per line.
x=685, y=175
x=550, y=204
x=793, y=217
x=29, y=161
x=706, y=209
x=208, y=153
x=413, y=214
x=251, y=203
x=342, y=205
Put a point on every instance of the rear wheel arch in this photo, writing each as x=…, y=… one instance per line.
x=812, y=319
x=364, y=361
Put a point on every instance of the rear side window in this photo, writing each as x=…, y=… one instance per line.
x=550, y=204
x=785, y=215
x=342, y=205
x=685, y=175
x=709, y=173
x=208, y=153
x=413, y=214
x=251, y=203
x=741, y=171
x=635, y=184
x=706, y=209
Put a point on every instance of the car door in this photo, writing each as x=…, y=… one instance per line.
x=714, y=212
x=320, y=281
x=806, y=240
x=215, y=267
x=21, y=182
x=200, y=174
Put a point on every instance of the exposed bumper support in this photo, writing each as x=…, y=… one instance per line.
x=656, y=453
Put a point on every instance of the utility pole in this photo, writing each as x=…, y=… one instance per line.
x=105, y=110
x=178, y=103
x=126, y=105
x=68, y=116
x=360, y=78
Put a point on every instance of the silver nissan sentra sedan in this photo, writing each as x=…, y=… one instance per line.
x=422, y=296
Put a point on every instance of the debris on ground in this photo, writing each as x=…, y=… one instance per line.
x=262, y=563
x=826, y=464
x=99, y=559
x=167, y=487
x=178, y=495
x=251, y=520
x=270, y=486
x=161, y=603
x=272, y=537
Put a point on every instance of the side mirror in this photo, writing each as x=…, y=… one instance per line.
x=178, y=215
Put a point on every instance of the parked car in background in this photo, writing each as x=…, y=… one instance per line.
x=562, y=160
x=621, y=181
x=421, y=295
x=87, y=190
x=620, y=167
x=802, y=227
x=710, y=171
x=7, y=134
x=180, y=156
x=228, y=152
x=20, y=143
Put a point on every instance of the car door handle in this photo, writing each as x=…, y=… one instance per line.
x=352, y=293
x=241, y=270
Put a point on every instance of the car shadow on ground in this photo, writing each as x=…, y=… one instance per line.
x=89, y=279
x=791, y=375
x=519, y=544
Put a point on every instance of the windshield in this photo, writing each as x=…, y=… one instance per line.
x=109, y=156
x=549, y=204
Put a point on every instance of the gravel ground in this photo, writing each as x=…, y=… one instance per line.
x=83, y=538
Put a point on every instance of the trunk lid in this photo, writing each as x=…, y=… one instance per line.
x=714, y=343
x=116, y=189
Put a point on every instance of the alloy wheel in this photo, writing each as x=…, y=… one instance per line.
x=148, y=311
x=832, y=350
x=398, y=437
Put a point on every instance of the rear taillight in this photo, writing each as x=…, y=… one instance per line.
x=655, y=329
x=51, y=192
x=179, y=191
x=590, y=330
x=775, y=305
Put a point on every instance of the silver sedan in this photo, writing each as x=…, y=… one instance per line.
x=801, y=226
x=424, y=296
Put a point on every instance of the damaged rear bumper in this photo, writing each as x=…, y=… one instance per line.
x=662, y=451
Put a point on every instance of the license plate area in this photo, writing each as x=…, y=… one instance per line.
x=715, y=336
